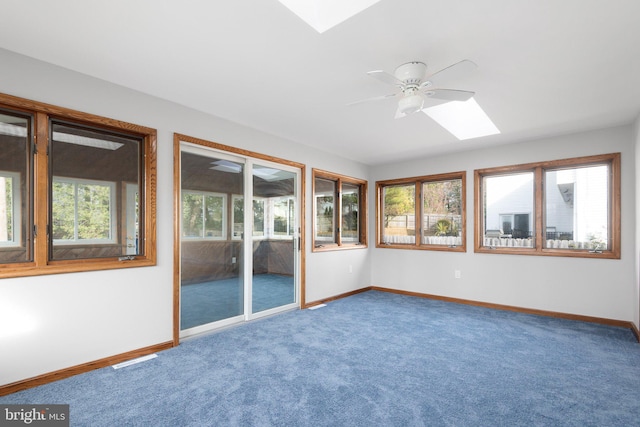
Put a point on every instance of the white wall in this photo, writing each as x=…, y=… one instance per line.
x=636, y=297
x=601, y=288
x=69, y=319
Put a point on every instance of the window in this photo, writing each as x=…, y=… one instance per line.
x=238, y=217
x=426, y=212
x=204, y=215
x=9, y=209
x=509, y=201
x=83, y=212
x=16, y=163
x=283, y=217
x=339, y=206
x=567, y=207
x=77, y=192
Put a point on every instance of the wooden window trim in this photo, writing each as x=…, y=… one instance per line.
x=538, y=169
x=42, y=113
x=362, y=214
x=418, y=181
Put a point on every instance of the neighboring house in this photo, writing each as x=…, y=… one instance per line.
x=576, y=205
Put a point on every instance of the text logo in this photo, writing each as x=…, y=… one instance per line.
x=34, y=415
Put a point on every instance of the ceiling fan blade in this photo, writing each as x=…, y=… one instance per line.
x=385, y=77
x=453, y=71
x=375, y=98
x=449, y=94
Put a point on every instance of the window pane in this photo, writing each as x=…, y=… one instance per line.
x=577, y=208
x=7, y=205
x=64, y=214
x=81, y=212
x=442, y=212
x=399, y=207
x=258, y=217
x=192, y=214
x=94, y=212
x=15, y=188
x=325, y=191
x=280, y=217
x=292, y=216
x=350, y=211
x=214, y=216
x=238, y=217
x=93, y=173
x=508, y=210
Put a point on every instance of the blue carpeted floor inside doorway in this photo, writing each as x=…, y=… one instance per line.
x=207, y=302
x=372, y=359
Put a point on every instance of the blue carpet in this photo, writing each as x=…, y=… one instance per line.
x=373, y=359
x=207, y=302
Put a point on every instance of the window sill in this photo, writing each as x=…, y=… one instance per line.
x=71, y=266
x=412, y=246
x=334, y=247
x=575, y=253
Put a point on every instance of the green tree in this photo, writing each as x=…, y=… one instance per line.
x=442, y=197
x=398, y=200
x=94, y=212
x=81, y=211
x=63, y=211
x=192, y=206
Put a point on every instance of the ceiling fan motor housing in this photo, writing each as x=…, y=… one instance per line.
x=411, y=73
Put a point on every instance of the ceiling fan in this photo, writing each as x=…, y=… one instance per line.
x=417, y=88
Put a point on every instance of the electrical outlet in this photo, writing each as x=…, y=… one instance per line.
x=457, y=274
x=233, y=260
x=350, y=269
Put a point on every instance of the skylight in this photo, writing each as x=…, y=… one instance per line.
x=325, y=14
x=13, y=130
x=86, y=141
x=226, y=166
x=465, y=120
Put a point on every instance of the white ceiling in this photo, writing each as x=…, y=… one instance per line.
x=545, y=67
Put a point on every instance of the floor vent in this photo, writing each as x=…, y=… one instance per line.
x=315, y=307
x=134, y=361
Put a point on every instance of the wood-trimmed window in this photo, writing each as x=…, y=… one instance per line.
x=204, y=215
x=432, y=207
x=80, y=191
x=339, y=211
x=568, y=207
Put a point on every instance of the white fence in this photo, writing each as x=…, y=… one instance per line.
x=427, y=240
x=528, y=243
x=491, y=241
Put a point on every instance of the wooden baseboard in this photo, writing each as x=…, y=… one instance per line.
x=589, y=319
x=559, y=315
x=337, y=297
x=635, y=330
x=80, y=369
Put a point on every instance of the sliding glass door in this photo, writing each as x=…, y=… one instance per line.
x=211, y=270
x=238, y=238
x=275, y=245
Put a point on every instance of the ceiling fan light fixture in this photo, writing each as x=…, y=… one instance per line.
x=411, y=104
